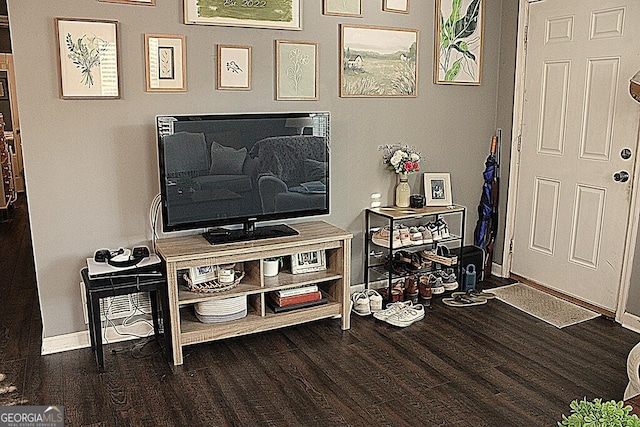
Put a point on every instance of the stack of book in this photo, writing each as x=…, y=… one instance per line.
x=295, y=298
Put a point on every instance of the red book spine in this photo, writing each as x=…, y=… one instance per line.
x=296, y=299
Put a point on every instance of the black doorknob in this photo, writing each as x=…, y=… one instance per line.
x=622, y=176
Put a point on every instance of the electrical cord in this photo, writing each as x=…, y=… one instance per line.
x=154, y=211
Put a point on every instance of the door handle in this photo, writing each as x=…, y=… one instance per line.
x=622, y=176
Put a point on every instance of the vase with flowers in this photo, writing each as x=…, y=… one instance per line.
x=402, y=160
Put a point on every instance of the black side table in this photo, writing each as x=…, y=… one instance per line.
x=113, y=286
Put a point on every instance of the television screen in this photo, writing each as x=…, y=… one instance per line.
x=221, y=169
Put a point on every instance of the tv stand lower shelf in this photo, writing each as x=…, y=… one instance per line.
x=182, y=253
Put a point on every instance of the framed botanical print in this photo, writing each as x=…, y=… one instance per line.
x=88, y=58
x=234, y=67
x=351, y=8
x=165, y=62
x=458, y=39
x=296, y=70
x=397, y=6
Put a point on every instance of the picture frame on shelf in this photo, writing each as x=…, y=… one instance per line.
x=276, y=15
x=296, y=70
x=234, y=67
x=203, y=273
x=165, y=62
x=88, y=58
x=437, y=189
x=138, y=2
x=4, y=88
x=352, y=8
x=378, y=61
x=306, y=262
x=458, y=45
x=396, y=6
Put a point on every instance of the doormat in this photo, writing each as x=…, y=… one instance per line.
x=539, y=304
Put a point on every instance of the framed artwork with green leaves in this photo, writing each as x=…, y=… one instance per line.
x=458, y=39
x=88, y=58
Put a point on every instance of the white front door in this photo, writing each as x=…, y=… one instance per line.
x=578, y=125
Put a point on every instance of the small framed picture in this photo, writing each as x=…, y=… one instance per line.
x=141, y=2
x=165, y=62
x=234, y=67
x=352, y=8
x=88, y=61
x=296, y=70
x=397, y=6
x=437, y=189
x=4, y=88
x=306, y=262
x=202, y=274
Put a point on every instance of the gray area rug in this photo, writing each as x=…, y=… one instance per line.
x=553, y=310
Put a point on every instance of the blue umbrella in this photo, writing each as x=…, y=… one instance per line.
x=487, y=225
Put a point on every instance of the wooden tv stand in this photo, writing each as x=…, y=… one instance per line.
x=181, y=253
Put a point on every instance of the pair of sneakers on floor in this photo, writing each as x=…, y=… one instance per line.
x=366, y=302
x=401, y=313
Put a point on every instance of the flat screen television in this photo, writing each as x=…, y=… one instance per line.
x=224, y=169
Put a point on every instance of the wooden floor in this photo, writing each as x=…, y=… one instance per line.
x=489, y=365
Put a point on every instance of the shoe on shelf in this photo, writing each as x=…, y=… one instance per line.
x=437, y=287
x=392, y=308
x=406, y=317
x=415, y=236
x=360, y=303
x=443, y=228
x=384, y=236
x=427, y=238
x=433, y=229
x=405, y=236
x=424, y=288
x=375, y=300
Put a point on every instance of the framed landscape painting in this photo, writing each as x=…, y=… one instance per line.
x=458, y=39
x=88, y=61
x=273, y=14
x=378, y=62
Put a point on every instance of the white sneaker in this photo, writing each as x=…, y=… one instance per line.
x=375, y=300
x=427, y=238
x=360, y=303
x=416, y=236
x=405, y=236
x=407, y=316
x=443, y=229
x=435, y=232
x=392, y=308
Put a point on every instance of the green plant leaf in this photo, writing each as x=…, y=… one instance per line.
x=467, y=25
x=452, y=72
x=463, y=48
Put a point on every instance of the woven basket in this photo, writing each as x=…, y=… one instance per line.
x=213, y=285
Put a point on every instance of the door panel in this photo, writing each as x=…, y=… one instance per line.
x=571, y=216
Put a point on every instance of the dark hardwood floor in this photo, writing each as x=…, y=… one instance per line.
x=489, y=365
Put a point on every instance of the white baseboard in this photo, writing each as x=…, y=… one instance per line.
x=631, y=321
x=77, y=340
x=496, y=270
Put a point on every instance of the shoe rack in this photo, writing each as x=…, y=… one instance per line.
x=379, y=259
x=7, y=189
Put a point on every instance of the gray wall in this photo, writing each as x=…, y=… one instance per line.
x=91, y=164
